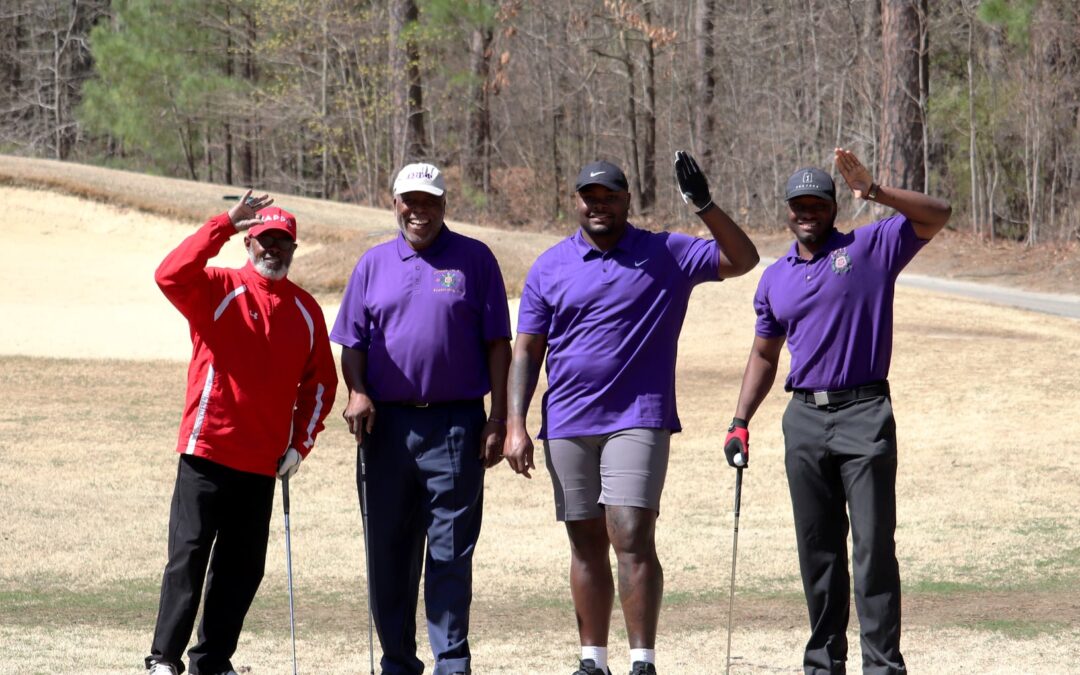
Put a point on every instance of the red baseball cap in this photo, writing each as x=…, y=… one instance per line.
x=274, y=218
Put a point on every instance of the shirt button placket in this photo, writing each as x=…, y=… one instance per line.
x=416, y=279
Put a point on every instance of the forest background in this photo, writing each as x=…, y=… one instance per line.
x=978, y=102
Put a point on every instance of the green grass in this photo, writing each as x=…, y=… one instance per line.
x=30, y=603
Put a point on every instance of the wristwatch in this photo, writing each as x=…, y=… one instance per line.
x=871, y=194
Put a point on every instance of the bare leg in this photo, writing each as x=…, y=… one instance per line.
x=641, y=578
x=591, y=584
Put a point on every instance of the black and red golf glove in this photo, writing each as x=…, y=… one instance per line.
x=737, y=444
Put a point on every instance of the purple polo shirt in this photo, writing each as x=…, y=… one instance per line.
x=836, y=309
x=424, y=318
x=612, y=322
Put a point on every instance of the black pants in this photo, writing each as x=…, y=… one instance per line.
x=220, y=518
x=836, y=457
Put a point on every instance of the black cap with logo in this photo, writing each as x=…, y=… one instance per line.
x=602, y=173
x=810, y=181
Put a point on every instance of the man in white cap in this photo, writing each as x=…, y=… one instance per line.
x=425, y=333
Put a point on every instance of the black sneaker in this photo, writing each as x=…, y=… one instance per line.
x=588, y=667
x=642, y=668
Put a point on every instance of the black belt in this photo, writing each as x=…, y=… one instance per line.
x=429, y=404
x=822, y=398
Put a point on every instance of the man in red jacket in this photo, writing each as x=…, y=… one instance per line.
x=260, y=383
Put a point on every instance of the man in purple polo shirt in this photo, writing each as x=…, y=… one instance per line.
x=607, y=305
x=831, y=299
x=425, y=335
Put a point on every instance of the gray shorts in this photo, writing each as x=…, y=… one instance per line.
x=623, y=468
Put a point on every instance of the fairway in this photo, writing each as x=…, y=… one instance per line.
x=92, y=370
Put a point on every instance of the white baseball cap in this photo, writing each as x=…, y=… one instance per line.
x=419, y=177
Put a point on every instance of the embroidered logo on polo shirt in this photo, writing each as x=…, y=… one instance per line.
x=840, y=260
x=449, y=280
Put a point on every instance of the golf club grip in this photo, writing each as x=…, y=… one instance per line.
x=285, y=494
x=362, y=454
x=738, y=494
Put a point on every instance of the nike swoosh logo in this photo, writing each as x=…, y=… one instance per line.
x=594, y=174
x=639, y=263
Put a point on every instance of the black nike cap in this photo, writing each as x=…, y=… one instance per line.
x=602, y=173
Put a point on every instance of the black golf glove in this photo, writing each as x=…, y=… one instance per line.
x=737, y=444
x=692, y=183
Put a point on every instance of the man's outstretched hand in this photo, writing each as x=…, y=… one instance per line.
x=856, y=175
x=243, y=213
x=692, y=182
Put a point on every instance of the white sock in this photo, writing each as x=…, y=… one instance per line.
x=646, y=655
x=598, y=655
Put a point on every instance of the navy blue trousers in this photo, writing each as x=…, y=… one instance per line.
x=839, y=457
x=425, y=485
x=218, y=528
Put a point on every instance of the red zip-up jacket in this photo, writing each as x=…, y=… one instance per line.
x=262, y=376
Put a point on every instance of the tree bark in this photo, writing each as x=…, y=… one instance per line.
x=648, y=143
x=409, y=138
x=477, y=147
x=704, y=119
x=901, y=158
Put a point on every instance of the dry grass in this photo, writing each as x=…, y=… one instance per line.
x=988, y=536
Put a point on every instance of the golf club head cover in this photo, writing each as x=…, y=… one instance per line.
x=692, y=183
x=737, y=444
x=289, y=463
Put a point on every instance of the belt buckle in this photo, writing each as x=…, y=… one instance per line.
x=821, y=398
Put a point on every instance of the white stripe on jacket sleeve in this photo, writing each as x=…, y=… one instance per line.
x=309, y=322
x=201, y=415
x=315, y=413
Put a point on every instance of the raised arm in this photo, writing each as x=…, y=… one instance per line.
x=182, y=275
x=738, y=255
x=927, y=214
x=528, y=358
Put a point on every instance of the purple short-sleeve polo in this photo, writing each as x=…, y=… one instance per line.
x=612, y=322
x=836, y=309
x=425, y=318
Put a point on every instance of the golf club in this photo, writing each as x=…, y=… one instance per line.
x=288, y=567
x=362, y=452
x=734, y=551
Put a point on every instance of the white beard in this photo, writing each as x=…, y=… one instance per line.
x=264, y=271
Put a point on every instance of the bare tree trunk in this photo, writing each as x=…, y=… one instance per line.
x=247, y=149
x=648, y=145
x=704, y=119
x=323, y=105
x=477, y=146
x=230, y=71
x=901, y=162
x=408, y=139
x=972, y=146
x=631, y=115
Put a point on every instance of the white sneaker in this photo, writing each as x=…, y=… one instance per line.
x=161, y=668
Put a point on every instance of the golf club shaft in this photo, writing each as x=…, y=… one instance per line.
x=362, y=454
x=288, y=567
x=734, y=553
